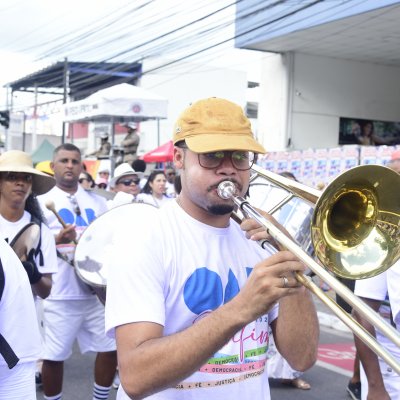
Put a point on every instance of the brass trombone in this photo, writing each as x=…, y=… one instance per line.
x=355, y=231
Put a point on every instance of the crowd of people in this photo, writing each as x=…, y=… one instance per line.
x=128, y=185
x=200, y=315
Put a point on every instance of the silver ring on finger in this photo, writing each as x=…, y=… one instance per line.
x=285, y=282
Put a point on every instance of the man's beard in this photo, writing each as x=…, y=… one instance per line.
x=220, y=209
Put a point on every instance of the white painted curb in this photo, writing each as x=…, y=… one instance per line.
x=331, y=321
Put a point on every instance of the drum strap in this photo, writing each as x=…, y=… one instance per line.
x=5, y=349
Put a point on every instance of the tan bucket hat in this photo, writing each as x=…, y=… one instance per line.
x=215, y=124
x=19, y=161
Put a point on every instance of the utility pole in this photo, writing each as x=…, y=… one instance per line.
x=35, y=117
x=65, y=96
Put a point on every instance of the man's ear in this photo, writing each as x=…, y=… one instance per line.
x=179, y=155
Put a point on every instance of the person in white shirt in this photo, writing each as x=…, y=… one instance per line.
x=378, y=380
x=19, y=328
x=191, y=306
x=126, y=184
x=22, y=224
x=72, y=311
x=154, y=191
x=19, y=185
x=170, y=174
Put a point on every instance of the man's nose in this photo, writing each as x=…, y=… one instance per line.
x=227, y=162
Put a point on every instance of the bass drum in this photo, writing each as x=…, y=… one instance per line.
x=95, y=246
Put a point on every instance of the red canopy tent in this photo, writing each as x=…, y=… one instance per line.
x=164, y=153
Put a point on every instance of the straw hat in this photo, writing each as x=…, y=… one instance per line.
x=19, y=161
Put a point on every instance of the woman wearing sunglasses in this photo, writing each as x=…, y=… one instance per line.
x=86, y=180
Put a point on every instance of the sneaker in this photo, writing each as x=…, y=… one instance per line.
x=116, y=382
x=354, y=390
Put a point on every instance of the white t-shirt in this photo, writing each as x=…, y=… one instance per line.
x=378, y=288
x=150, y=199
x=170, y=189
x=393, y=279
x=10, y=229
x=178, y=271
x=18, y=321
x=66, y=284
x=119, y=199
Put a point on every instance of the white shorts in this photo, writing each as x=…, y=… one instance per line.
x=18, y=383
x=39, y=314
x=390, y=379
x=67, y=320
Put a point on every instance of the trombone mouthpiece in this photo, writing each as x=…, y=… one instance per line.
x=226, y=190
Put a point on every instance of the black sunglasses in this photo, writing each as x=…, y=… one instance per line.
x=128, y=182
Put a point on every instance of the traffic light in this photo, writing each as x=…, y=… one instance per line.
x=5, y=118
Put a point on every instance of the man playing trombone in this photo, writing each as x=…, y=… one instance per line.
x=190, y=306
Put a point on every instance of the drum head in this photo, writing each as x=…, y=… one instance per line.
x=94, y=249
x=26, y=239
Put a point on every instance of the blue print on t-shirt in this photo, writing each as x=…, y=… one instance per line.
x=69, y=217
x=232, y=287
x=90, y=215
x=203, y=290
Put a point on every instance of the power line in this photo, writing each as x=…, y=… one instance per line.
x=174, y=45
x=58, y=48
x=85, y=80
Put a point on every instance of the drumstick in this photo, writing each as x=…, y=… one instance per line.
x=52, y=207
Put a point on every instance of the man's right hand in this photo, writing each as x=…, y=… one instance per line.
x=266, y=285
x=66, y=235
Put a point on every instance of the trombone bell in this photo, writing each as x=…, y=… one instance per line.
x=355, y=227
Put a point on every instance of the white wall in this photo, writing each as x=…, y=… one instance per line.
x=322, y=90
x=273, y=102
x=184, y=85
